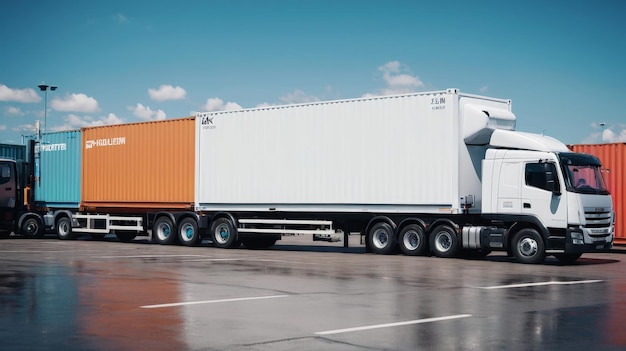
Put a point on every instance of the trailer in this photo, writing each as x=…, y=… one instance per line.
x=440, y=173
x=434, y=172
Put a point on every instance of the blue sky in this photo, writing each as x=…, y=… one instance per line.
x=561, y=62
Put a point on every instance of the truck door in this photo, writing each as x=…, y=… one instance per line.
x=509, y=190
x=543, y=196
x=8, y=185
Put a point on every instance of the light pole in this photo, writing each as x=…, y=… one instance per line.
x=602, y=124
x=44, y=87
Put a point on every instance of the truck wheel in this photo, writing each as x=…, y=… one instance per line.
x=444, y=242
x=413, y=241
x=164, y=231
x=188, y=233
x=125, y=236
x=224, y=233
x=527, y=246
x=381, y=239
x=31, y=227
x=568, y=258
x=64, y=228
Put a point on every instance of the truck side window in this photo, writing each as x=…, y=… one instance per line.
x=5, y=174
x=536, y=175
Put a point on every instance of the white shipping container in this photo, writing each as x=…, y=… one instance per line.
x=391, y=154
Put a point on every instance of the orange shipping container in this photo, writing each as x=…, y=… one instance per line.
x=613, y=158
x=139, y=166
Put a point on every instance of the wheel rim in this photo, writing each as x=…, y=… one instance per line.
x=443, y=242
x=187, y=231
x=31, y=227
x=222, y=233
x=163, y=231
x=380, y=238
x=64, y=227
x=528, y=247
x=411, y=240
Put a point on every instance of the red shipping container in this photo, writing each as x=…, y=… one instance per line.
x=613, y=158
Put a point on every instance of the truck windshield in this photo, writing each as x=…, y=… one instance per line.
x=583, y=174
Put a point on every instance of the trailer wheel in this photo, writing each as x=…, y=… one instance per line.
x=528, y=247
x=31, y=227
x=444, y=242
x=224, y=233
x=381, y=239
x=64, y=229
x=164, y=231
x=568, y=258
x=188, y=233
x=125, y=236
x=413, y=241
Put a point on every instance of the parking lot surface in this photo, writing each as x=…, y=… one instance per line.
x=300, y=295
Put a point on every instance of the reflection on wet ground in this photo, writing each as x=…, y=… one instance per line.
x=87, y=295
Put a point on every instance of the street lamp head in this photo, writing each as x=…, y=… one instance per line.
x=53, y=88
x=44, y=87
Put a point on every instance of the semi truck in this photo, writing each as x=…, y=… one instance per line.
x=440, y=173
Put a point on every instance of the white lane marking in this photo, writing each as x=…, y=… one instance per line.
x=149, y=256
x=213, y=301
x=540, y=284
x=388, y=325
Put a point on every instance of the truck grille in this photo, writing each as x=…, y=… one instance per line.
x=598, y=217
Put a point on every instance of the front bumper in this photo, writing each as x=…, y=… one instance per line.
x=579, y=241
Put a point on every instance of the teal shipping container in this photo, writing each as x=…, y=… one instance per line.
x=13, y=152
x=58, y=169
x=18, y=153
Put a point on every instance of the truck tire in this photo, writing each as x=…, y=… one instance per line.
x=412, y=240
x=444, y=241
x=188, y=233
x=224, y=233
x=64, y=228
x=568, y=258
x=31, y=227
x=381, y=239
x=164, y=231
x=125, y=236
x=527, y=246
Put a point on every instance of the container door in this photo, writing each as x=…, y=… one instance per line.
x=8, y=185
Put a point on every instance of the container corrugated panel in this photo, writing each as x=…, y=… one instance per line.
x=613, y=158
x=139, y=167
x=13, y=152
x=58, y=169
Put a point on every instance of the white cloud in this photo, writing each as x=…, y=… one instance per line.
x=18, y=95
x=398, y=79
x=167, y=92
x=484, y=89
x=146, y=113
x=217, y=104
x=603, y=134
x=73, y=121
x=75, y=103
x=13, y=111
x=298, y=97
x=120, y=18
x=3, y=127
x=609, y=136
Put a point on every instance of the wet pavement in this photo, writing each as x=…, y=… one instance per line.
x=300, y=295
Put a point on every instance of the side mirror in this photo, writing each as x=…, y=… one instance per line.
x=552, y=183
